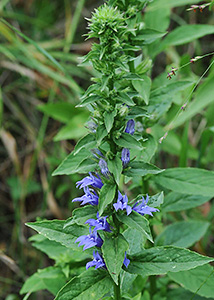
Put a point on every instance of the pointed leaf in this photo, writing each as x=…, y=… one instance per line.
x=188, y=180
x=109, y=120
x=81, y=215
x=107, y=194
x=126, y=140
x=115, y=167
x=182, y=234
x=199, y=280
x=138, y=222
x=92, y=284
x=54, y=230
x=139, y=168
x=88, y=141
x=161, y=260
x=114, y=253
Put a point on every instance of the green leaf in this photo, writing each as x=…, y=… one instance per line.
x=188, y=180
x=161, y=260
x=139, y=168
x=182, y=234
x=51, y=279
x=92, y=284
x=72, y=163
x=187, y=33
x=179, y=293
x=177, y=201
x=54, y=230
x=137, y=111
x=162, y=98
x=148, y=36
x=81, y=215
x=114, y=253
x=115, y=167
x=107, y=194
x=136, y=240
x=101, y=133
x=143, y=87
x=88, y=100
x=156, y=200
x=126, y=140
x=87, y=141
x=156, y=5
x=150, y=148
x=60, y=111
x=75, y=129
x=138, y=222
x=124, y=98
x=199, y=280
x=57, y=251
x=109, y=119
x=205, y=92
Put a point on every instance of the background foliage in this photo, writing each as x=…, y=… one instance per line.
x=40, y=86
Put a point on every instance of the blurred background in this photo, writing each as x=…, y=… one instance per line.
x=40, y=84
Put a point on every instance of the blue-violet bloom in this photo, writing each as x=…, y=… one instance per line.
x=122, y=203
x=100, y=224
x=90, y=197
x=94, y=181
x=97, y=153
x=90, y=240
x=98, y=261
x=125, y=156
x=126, y=261
x=130, y=127
x=142, y=208
x=104, y=167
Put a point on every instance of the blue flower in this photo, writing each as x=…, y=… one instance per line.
x=97, y=153
x=92, y=126
x=125, y=156
x=122, y=203
x=90, y=240
x=130, y=127
x=100, y=224
x=94, y=181
x=126, y=261
x=104, y=167
x=90, y=197
x=142, y=208
x=98, y=261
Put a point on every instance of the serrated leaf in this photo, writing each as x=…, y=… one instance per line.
x=107, y=194
x=182, y=234
x=54, y=230
x=88, y=141
x=81, y=215
x=150, y=148
x=115, y=167
x=126, y=140
x=51, y=279
x=88, y=100
x=137, y=111
x=143, y=87
x=177, y=201
x=114, y=253
x=139, y=168
x=161, y=260
x=188, y=180
x=109, y=120
x=148, y=36
x=199, y=280
x=156, y=200
x=75, y=163
x=92, y=284
x=138, y=222
x=101, y=132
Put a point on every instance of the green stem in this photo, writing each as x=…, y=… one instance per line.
x=117, y=295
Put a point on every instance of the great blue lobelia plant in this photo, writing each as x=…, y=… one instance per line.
x=113, y=228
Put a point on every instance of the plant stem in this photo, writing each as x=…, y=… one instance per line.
x=117, y=290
